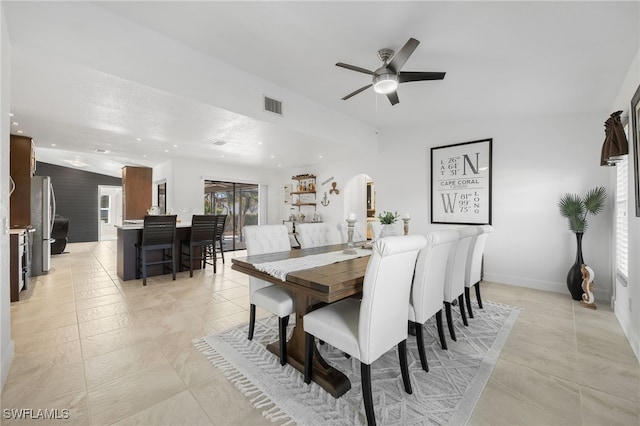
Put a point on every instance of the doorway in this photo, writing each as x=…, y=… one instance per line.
x=109, y=211
x=240, y=202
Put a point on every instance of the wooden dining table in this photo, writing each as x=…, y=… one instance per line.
x=310, y=289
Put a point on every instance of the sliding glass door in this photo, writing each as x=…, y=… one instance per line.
x=239, y=201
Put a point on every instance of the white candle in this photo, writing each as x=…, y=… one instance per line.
x=406, y=216
x=352, y=216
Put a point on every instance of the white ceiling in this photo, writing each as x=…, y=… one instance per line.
x=180, y=75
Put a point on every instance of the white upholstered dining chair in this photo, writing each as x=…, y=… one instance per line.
x=456, y=273
x=262, y=239
x=366, y=329
x=428, y=285
x=311, y=235
x=474, y=266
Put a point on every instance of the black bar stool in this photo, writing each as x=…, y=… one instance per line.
x=203, y=230
x=221, y=223
x=158, y=233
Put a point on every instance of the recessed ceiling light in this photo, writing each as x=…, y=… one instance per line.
x=144, y=156
x=10, y=114
x=320, y=156
x=138, y=139
x=53, y=144
x=166, y=150
x=272, y=156
x=175, y=146
x=20, y=131
x=279, y=165
x=221, y=155
x=259, y=143
x=15, y=123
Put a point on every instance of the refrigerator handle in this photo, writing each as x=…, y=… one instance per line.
x=53, y=206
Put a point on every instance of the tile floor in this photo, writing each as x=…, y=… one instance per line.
x=115, y=352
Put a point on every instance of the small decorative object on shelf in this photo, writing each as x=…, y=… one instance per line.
x=305, y=191
x=351, y=221
x=406, y=218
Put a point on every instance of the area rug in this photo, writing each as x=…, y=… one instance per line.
x=446, y=395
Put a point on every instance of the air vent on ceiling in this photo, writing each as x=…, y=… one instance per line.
x=272, y=105
x=219, y=143
x=101, y=151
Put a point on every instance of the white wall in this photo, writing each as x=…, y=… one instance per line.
x=630, y=318
x=534, y=162
x=6, y=344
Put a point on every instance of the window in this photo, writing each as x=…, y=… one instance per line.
x=105, y=203
x=622, y=220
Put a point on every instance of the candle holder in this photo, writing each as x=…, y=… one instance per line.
x=350, y=249
x=406, y=225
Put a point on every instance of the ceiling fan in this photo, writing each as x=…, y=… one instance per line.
x=388, y=76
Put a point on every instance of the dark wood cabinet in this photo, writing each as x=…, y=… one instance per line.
x=21, y=167
x=136, y=192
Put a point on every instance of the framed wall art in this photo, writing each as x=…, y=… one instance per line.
x=635, y=129
x=461, y=183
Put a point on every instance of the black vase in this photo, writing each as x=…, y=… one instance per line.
x=574, y=277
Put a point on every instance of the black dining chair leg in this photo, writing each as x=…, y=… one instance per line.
x=190, y=261
x=462, y=313
x=365, y=373
x=443, y=341
x=283, y=339
x=477, y=286
x=420, y=342
x=468, y=300
x=308, y=357
x=404, y=366
x=447, y=309
x=252, y=321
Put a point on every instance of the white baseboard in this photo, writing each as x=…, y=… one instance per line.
x=632, y=337
x=7, y=358
x=526, y=282
x=601, y=295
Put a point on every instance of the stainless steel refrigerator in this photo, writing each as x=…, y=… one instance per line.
x=43, y=210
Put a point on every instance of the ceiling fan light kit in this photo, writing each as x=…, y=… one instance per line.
x=385, y=79
x=385, y=83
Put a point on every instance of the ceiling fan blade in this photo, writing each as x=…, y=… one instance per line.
x=355, y=68
x=407, y=76
x=393, y=98
x=357, y=91
x=403, y=54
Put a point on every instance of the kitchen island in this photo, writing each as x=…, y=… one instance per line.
x=130, y=234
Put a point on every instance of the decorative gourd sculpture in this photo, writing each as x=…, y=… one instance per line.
x=587, y=286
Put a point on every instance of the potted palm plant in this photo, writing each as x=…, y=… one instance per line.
x=576, y=209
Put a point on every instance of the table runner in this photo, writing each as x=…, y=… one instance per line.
x=280, y=268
